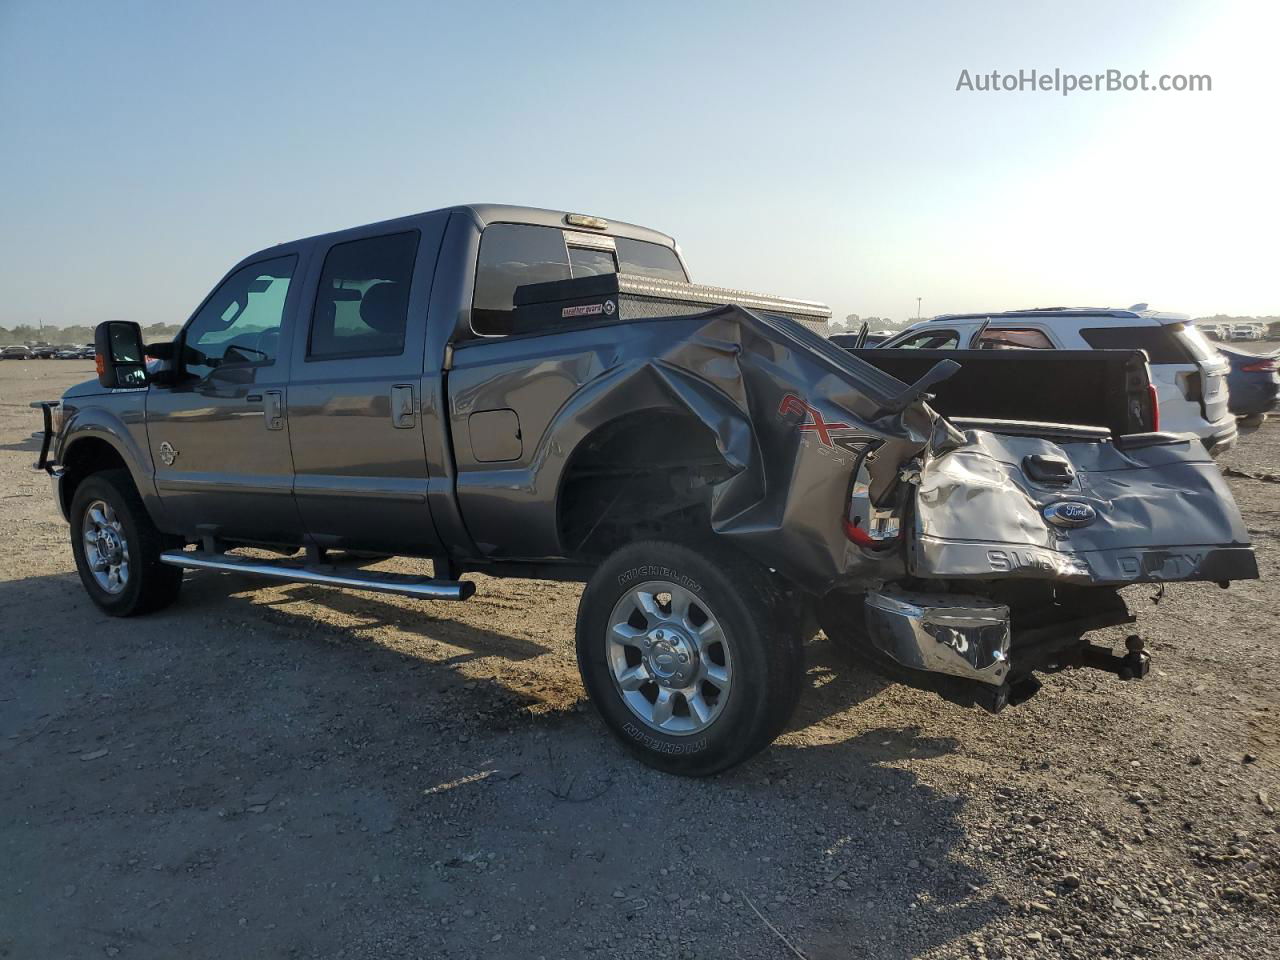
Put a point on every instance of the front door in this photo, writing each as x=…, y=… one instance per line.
x=355, y=417
x=219, y=436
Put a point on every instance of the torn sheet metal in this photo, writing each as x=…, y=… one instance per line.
x=1159, y=512
x=795, y=418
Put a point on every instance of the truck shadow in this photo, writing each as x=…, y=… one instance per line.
x=368, y=612
x=245, y=755
x=835, y=682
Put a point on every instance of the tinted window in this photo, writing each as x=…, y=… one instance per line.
x=1159, y=342
x=240, y=322
x=930, y=340
x=362, y=303
x=649, y=260
x=514, y=254
x=511, y=255
x=1013, y=339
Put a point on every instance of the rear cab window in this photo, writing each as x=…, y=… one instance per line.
x=515, y=254
x=1161, y=343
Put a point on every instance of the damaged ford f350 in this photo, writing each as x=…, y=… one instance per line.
x=528, y=393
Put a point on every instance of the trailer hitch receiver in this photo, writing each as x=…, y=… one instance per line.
x=1134, y=665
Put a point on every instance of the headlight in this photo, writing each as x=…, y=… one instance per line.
x=60, y=415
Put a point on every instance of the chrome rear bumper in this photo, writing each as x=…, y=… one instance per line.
x=960, y=636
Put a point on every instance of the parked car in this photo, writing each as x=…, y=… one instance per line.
x=43, y=351
x=1188, y=372
x=566, y=405
x=1246, y=331
x=69, y=353
x=16, y=352
x=1254, y=381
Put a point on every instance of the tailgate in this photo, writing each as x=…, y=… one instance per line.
x=1149, y=508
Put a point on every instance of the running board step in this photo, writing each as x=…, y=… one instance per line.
x=400, y=583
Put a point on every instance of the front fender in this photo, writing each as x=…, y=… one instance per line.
x=125, y=431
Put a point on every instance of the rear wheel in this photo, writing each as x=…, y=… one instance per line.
x=117, y=547
x=688, y=655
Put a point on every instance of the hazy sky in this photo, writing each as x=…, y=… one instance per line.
x=812, y=150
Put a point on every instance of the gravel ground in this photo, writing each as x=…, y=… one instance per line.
x=286, y=771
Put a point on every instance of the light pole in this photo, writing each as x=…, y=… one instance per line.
x=918, y=308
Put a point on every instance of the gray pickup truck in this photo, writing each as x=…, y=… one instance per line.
x=537, y=394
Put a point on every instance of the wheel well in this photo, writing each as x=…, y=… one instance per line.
x=641, y=476
x=83, y=459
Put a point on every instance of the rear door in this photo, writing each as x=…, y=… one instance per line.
x=355, y=395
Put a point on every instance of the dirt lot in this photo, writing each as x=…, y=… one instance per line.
x=287, y=771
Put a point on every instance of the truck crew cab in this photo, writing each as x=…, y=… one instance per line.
x=539, y=394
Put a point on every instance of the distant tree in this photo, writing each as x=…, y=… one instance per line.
x=76, y=334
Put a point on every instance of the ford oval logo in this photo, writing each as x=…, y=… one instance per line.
x=1070, y=513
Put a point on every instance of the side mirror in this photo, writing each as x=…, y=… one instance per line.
x=120, y=355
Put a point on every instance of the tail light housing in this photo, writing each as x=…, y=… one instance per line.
x=1155, y=407
x=1269, y=365
x=865, y=524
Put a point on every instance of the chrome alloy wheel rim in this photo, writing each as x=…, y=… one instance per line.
x=669, y=658
x=105, y=548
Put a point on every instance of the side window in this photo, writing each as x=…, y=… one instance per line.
x=362, y=303
x=931, y=340
x=1014, y=339
x=1157, y=341
x=511, y=255
x=240, y=322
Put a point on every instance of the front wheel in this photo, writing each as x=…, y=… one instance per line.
x=117, y=547
x=688, y=655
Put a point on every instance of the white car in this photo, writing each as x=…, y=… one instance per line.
x=1189, y=375
x=1246, y=331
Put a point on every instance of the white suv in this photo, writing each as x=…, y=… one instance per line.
x=1188, y=372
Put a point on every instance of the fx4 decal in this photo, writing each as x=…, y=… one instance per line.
x=812, y=421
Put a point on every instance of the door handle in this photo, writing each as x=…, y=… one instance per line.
x=404, y=411
x=273, y=409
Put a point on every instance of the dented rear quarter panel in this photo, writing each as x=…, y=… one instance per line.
x=730, y=370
